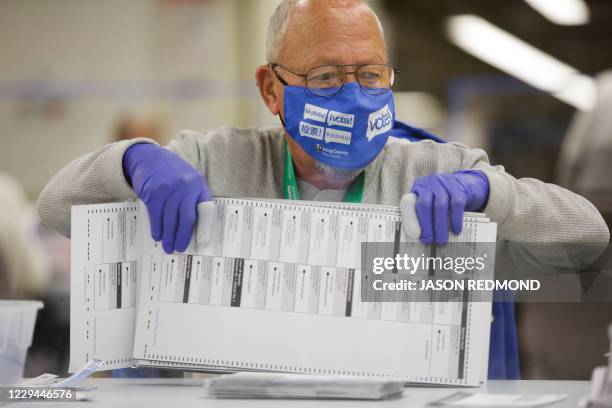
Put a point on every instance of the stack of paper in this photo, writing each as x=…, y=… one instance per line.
x=274, y=385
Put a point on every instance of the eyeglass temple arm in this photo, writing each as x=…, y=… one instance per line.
x=282, y=81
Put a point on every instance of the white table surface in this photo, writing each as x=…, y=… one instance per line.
x=185, y=393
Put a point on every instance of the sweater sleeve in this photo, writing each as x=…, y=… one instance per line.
x=236, y=162
x=94, y=178
x=529, y=210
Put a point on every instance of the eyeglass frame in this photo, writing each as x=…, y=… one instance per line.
x=273, y=65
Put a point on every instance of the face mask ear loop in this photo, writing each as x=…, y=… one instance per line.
x=282, y=121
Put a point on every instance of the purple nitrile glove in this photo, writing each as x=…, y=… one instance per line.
x=443, y=196
x=170, y=188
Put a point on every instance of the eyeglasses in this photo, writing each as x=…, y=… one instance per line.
x=326, y=80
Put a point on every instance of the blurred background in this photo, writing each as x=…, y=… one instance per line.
x=524, y=81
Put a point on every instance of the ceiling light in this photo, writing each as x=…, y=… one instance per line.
x=562, y=12
x=514, y=56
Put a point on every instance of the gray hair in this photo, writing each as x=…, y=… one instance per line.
x=278, y=27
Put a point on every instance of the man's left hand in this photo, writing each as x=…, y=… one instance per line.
x=444, y=197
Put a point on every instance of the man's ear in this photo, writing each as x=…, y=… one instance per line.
x=267, y=88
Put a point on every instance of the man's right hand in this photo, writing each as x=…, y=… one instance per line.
x=170, y=188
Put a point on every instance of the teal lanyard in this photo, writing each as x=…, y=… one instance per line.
x=353, y=195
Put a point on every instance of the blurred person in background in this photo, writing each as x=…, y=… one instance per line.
x=584, y=166
x=134, y=124
x=24, y=265
x=584, y=162
x=34, y=264
x=328, y=56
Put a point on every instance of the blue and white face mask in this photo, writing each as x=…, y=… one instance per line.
x=346, y=130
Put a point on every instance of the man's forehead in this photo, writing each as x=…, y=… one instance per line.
x=349, y=57
x=333, y=35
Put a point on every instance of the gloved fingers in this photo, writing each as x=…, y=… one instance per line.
x=457, y=209
x=170, y=221
x=187, y=217
x=155, y=208
x=424, y=211
x=458, y=199
x=410, y=221
x=440, y=213
x=154, y=197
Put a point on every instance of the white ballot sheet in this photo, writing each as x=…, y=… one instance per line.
x=275, y=288
x=105, y=252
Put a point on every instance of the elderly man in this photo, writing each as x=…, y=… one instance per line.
x=329, y=80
